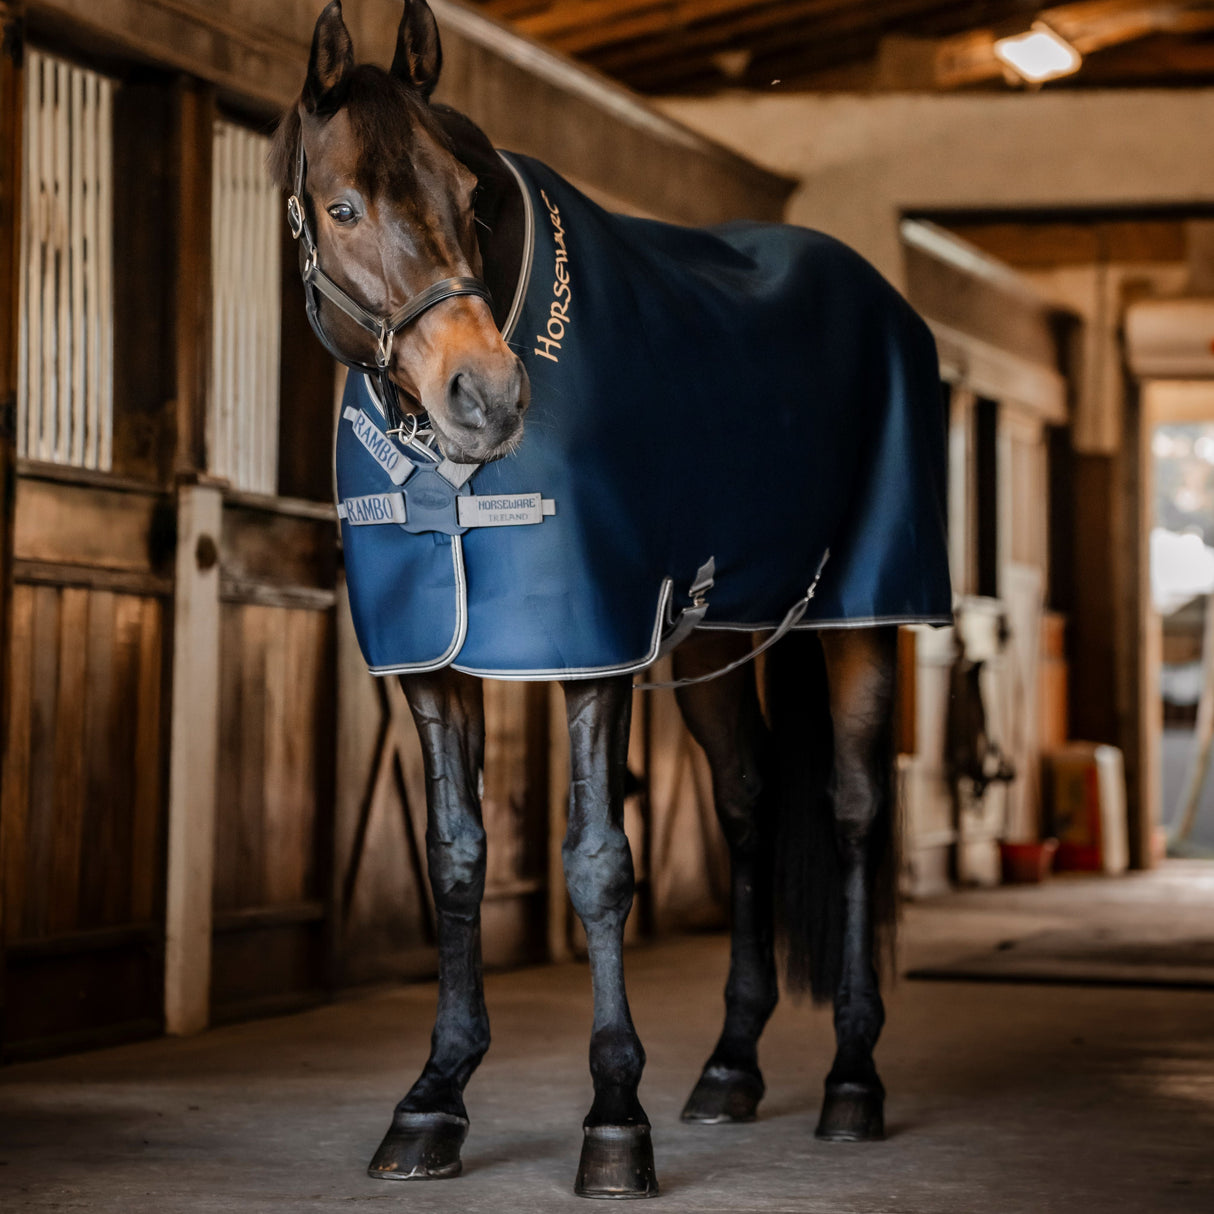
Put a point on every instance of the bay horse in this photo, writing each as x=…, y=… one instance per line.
x=576, y=441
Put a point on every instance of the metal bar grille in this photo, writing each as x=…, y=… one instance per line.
x=243, y=418
x=65, y=402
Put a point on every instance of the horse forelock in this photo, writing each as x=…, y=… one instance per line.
x=385, y=116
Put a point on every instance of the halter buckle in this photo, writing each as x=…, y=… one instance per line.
x=295, y=218
x=399, y=431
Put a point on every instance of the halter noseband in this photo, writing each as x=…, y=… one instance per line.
x=383, y=328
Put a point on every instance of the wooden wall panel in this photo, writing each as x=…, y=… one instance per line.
x=83, y=760
x=274, y=734
x=82, y=816
x=273, y=812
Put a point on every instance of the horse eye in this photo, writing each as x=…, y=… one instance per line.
x=341, y=212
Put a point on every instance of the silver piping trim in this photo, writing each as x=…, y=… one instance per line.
x=461, y=622
x=586, y=672
x=524, y=277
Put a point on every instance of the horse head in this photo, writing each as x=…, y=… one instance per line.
x=390, y=211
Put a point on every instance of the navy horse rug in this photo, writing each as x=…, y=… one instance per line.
x=740, y=427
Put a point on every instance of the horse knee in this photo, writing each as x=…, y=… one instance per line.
x=598, y=873
x=457, y=870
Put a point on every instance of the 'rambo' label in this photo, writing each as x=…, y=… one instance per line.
x=374, y=508
x=381, y=448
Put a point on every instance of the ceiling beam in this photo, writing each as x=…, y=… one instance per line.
x=1089, y=26
x=793, y=20
x=835, y=29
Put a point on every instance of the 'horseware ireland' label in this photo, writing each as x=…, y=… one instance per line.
x=382, y=449
x=513, y=510
x=373, y=508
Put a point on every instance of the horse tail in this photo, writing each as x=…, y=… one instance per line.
x=808, y=870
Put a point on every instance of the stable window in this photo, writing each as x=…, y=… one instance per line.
x=65, y=397
x=242, y=422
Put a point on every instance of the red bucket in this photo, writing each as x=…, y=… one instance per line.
x=1027, y=863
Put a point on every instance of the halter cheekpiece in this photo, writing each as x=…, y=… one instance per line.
x=318, y=284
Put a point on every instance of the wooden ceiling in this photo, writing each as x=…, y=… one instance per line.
x=673, y=46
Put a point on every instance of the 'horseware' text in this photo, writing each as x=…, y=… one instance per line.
x=558, y=310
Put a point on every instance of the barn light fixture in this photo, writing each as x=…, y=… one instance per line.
x=1038, y=55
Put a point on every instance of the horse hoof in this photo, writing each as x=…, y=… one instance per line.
x=852, y=1113
x=617, y=1161
x=724, y=1094
x=420, y=1146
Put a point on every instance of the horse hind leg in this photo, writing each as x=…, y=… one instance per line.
x=430, y=1124
x=725, y=719
x=617, y=1153
x=861, y=669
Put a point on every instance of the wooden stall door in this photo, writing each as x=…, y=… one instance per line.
x=274, y=787
x=84, y=768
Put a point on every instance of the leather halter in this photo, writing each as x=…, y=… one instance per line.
x=318, y=284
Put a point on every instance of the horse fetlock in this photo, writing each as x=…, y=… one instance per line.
x=617, y=1059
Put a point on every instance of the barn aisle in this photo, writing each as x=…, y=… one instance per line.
x=1003, y=1097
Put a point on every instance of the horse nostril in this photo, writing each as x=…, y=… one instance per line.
x=465, y=403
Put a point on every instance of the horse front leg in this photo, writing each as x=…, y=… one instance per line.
x=617, y=1154
x=430, y=1124
x=861, y=670
x=724, y=717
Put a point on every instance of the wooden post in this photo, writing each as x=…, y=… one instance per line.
x=195, y=133
x=194, y=728
x=194, y=755
x=12, y=111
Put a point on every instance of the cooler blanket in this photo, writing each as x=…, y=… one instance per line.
x=712, y=413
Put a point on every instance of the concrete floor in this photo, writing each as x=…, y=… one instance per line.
x=1002, y=1098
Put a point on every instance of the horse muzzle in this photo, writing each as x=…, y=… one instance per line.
x=480, y=417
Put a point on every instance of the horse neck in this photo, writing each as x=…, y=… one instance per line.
x=501, y=212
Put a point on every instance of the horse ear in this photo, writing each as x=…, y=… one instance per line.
x=419, y=53
x=331, y=63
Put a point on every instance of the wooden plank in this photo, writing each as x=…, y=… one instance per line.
x=85, y=525
x=228, y=805
x=135, y=756
x=103, y=867
x=252, y=592
x=15, y=788
x=250, y=759
x=193, y=751
x=119, y=581
x=261, y=544
x=44, y=720
x=146, y=834
x=192, y=170
x=141, y=281
x=14, y=320
x=279, y=876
